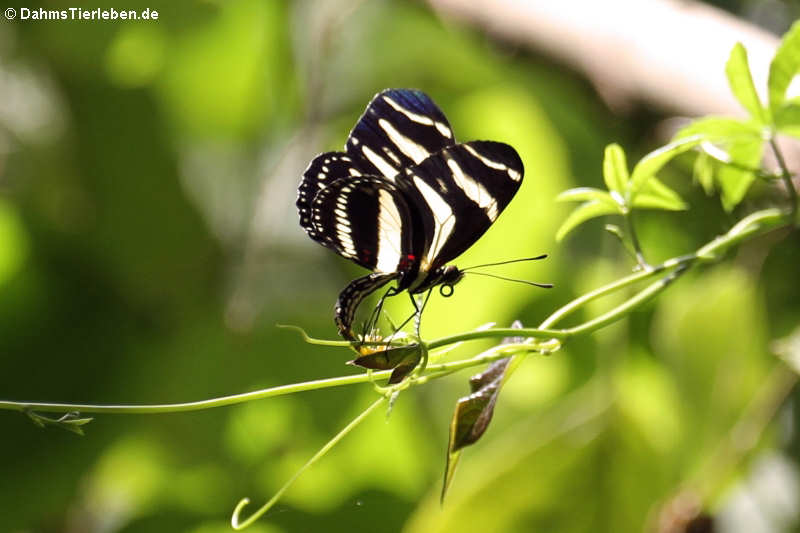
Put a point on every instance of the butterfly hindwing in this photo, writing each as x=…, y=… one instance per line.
x=367, y=220
x=400, y=128
x=458, y=193
x=323, y=170
x=352, y=296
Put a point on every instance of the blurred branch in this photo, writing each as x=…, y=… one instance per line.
x=665, y=52
x=746, y=433
x=322, y=21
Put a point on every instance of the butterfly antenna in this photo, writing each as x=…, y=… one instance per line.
x=506, y=262
x=526, y=282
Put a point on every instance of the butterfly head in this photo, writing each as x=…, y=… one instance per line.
x=450, y=275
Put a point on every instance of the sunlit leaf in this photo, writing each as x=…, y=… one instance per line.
x=652, y=162
x=615, y=168
x=703, y=172
x=735, y=178
x=656, y=195
x=785, y=65
x=585, y=212
x=716, y=129
x=742, y=146
x=586, y=194
x=787, y=119
x=474, y=412
x=741, y=82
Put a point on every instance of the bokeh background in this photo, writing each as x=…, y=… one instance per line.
x=149, y=244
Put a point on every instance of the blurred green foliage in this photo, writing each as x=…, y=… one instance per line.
x=149, y=243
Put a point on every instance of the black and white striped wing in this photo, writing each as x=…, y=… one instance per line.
x=458, y=193
x=400, y=128
x=323, y=170
x=352, y=296
x=367, y=220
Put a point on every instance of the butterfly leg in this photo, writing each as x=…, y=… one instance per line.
x=417, y=314
x=424, y=361
x=371, y=324
x=412, y=315
x=419, y=309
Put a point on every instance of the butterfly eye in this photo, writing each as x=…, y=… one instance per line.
x=446, y=290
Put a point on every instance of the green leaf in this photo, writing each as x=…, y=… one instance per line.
x=784, y=67
x=588, y=194
x=741, y=82
x=402, y=359
x=656, y=195
x=717, y=129
x=652, y=162
x=704, y=172
x=735, y=178
x=474, y=412
x=583, y=213
x=615, y=168
x=787, y=119
x=69, y=421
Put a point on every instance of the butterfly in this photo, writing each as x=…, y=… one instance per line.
x=404, y=198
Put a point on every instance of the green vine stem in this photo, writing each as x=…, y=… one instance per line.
x=236, y=521
x=202, y=404
x=750, y=226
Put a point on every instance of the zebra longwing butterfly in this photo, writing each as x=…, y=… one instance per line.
x=404, y=198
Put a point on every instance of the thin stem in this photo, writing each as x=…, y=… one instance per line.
x=498, y=332
x=198, y=405
x=273, y=391
x=625, y=308
x=785, y=175
x=614, y=287
x=614, y=230
x=753, y=224
x=493, y=354
x=237, y=524
x=637, y=248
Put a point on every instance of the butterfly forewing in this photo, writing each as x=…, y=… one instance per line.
x=399, y=128
x=459, y=192
x=367, y=220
